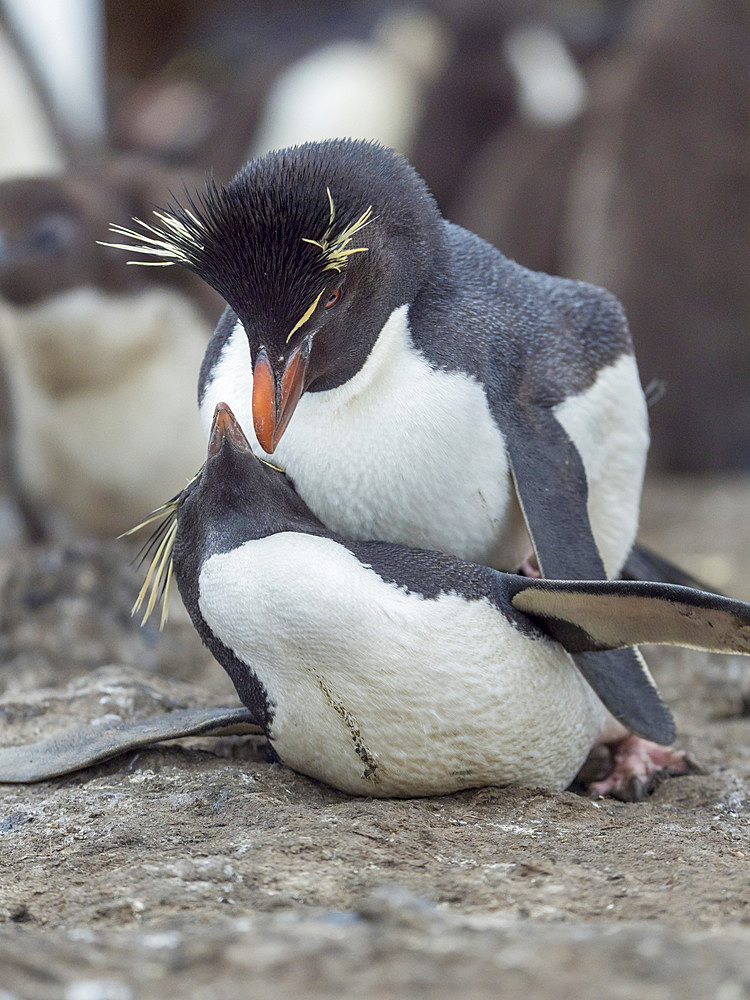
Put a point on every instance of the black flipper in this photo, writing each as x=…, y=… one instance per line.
x=86, y=745
x=552, y=489
x=599, y=615
x=623, y=683
x=644, y=565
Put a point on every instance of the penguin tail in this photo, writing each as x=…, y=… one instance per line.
x=644, y=565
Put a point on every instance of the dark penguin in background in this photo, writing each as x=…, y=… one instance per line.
x=417, y=386
x=90, y=347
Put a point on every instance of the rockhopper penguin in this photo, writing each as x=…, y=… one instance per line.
x=388, y=670
x=417, y=386
x=383, y=669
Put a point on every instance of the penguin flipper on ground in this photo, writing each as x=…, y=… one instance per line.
x=586, y=616
x=552, y=489
x=90, y=744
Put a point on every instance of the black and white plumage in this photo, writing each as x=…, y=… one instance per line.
x=388, y=670
x=382, y=669
x=418, y=386
x=96, y=354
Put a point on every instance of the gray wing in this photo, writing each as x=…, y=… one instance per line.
x=545, y=340
x=552, y=489
x=600, y=615
x=86, y=745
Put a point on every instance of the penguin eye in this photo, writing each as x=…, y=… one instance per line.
x=52, y=235
x=333, y=298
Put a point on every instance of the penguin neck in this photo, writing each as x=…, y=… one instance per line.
x=376, y=366
x=400, y=275
x=248, y=500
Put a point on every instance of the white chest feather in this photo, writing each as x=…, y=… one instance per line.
x=608, y=423
x=402, y=452
x=102, y=381
x=381, y=692
x=407, y=453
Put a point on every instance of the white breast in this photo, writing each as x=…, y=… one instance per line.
x=402, y=452
x=102, y=382
x=407, y=453
x=381, y=692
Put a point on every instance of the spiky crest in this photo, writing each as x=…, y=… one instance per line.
x=159, y=546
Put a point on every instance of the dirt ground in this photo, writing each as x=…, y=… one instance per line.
x=199, y=869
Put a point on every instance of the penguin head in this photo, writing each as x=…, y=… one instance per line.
x=236, y=496
x=313, y=247
x=51, y=230
x=45, y=238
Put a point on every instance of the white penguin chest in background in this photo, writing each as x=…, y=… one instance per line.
x=378, y=691
x=402, y=452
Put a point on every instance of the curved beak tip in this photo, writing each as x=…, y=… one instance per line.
x=275, y=398
x=225, y=427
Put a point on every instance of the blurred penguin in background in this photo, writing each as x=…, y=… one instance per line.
x=638, y=183
x=658, y=210
x=358, y=88
x=29, y=145
x=97, y=355
x=93, y=352
x=231, y=81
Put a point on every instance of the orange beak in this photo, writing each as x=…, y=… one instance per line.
x=274, y=401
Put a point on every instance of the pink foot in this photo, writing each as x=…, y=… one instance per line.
x=636, y=764
x=530, y=567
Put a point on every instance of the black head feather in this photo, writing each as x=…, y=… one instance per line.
x=275, y=237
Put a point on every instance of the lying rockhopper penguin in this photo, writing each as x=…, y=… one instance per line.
x=417, y=386
x=387, y=670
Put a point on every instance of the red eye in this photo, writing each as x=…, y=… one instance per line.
x=333, y=298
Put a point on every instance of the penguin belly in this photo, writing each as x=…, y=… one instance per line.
x=608, y=423
x=94, y=376
x=378, y=691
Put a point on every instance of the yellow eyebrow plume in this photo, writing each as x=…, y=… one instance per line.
x=173, y=242
x=161, y=571
x=305, y=317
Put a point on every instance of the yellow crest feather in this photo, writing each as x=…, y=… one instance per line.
x=335, y=250
x=160, y=572
x=157, y=241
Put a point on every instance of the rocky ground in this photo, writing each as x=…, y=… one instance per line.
x=199, y=869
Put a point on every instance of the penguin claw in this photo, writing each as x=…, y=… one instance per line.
x=637, y=790
x=638, y=765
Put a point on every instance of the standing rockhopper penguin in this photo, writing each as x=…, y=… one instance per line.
x=417, y=386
